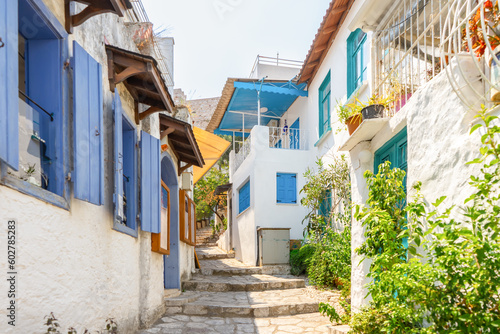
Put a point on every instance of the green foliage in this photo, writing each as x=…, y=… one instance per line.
x=331, y=261
x=52, y=324
x=207, y=203
x=452, y=282
x=300, y=258
x=335, y=178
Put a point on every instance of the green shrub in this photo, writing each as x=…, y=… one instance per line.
x=299, y=258
x=331, y=261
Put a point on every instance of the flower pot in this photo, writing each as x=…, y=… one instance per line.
x=352, y=123
x=373, y=111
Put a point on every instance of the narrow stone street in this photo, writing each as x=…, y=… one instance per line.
x=227, y=296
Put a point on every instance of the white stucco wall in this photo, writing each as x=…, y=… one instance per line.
x=261, y=167
x=72, y=262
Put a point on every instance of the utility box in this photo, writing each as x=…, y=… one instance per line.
x=274, y=246
x=187, y=181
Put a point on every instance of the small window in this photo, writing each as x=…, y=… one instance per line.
x=286, y=188
x=244, y=197
x=324, y=106
x=129, y=178
x=357, y=56
x=325, y=207
x=188, y=219
x=160, y=242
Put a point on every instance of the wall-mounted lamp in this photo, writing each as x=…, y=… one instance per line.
x=365, y=156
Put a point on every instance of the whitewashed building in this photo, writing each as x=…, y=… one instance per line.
x=93, y=169
x=412, y=49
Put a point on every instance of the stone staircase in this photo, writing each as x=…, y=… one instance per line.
x=261, y=298
x=205, y=237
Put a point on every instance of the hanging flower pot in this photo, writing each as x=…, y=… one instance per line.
x=373, y=111
x=353, y=122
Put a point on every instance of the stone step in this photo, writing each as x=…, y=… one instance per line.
x=257, y=304
x=183, y=299
x=206, y=244
x=232, y=267
x=242, y=283
x=215, y=256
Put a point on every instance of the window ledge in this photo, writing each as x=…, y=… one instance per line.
x=34, y=191
x=323, y=137
x=243, y=212
x=125, y=230
x=288, y=204
x=365, y=132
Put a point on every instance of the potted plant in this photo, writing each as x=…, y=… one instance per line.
x=375, y=106
x=350, y=115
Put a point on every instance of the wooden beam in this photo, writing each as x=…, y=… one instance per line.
x=166, y=132
x=129, y=72
x=94, y=7
x=320, y=48
x=111, y=70
x=149, y=111
x=329, y=30
x=183, y=168
x=339, y=10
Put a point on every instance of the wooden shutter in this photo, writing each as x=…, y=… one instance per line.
x=88, y=126
x=150, y=184
x=9, y=101
x=286, y=185
x=118, y=157
x=244, y=197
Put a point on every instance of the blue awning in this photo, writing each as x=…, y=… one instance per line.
x=276, y=96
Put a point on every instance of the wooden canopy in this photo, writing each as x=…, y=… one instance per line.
x=94, y=7
x=182, y=141
x=335, y=16
x=143, y=79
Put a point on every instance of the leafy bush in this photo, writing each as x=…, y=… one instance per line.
x=454, y=284
x=300, y=258
x=331, y=261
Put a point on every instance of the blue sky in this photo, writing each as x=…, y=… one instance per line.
x=217, y=39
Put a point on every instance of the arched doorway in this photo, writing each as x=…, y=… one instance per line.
x=171, y=262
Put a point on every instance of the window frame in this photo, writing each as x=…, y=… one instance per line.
x=286, y=200
x=240, y=189
x=61, y=200
x=355, y=81
x=156, y=244
x=131, y=228
x=324, y=95
x=188, y=228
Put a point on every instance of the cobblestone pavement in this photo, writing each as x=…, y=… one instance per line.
x=310, y=323
x=227, y=296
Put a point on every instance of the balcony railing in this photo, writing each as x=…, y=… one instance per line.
x=406, y=45
x=243, y=152
x=285, y=138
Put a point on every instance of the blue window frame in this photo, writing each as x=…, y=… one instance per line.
x=326, y=205
x=34, y=121
x=356, y=60
x=395, y=151
x=286, y=188
x=244, y=197
x=324, y=106
x=126, y=175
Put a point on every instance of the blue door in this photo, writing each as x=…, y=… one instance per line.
x=295, y=135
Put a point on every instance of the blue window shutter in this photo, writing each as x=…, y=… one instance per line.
x=87, y=118
x=292, y=188
x=280, y=188
x=244, y=197
x=118, y=157
x=150, y=183
x=9, y=103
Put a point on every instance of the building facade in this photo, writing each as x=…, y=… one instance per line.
x=91, y=169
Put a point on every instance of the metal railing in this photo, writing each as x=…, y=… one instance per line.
x=138, y=14
x=275, y=61
x=285, y=138
x=406, y=48
x=242, y=153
